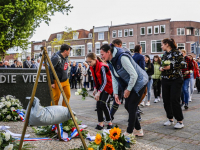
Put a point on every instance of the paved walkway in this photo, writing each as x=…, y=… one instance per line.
x=153, y=118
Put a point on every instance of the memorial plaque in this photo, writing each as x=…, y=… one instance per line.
x=19, y=82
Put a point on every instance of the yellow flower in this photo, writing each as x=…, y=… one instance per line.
x=108, y=146
x=90, y=148
x=115, y=133
x=98, y=139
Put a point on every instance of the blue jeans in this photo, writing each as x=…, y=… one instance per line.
x=86, y=84
x=149, y=85
x=191, y=87
x=185, y=91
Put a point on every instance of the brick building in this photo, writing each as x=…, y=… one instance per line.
x=149, y=34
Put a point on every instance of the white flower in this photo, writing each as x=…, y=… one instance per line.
x=15, y=118
x=191, y=71
x=12, y=100
x=4, y=110
x=8, y=117
x=76, y=93
x=8, y=97
x=3, y=99
x=79, y=91
x=9, y=147
x=7, y=136
x=18, y=117
x=8, y=104
x=167, y=62
x=12, y=108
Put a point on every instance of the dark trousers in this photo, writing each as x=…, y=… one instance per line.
x=131, y=104
x=92, y=84
x=171, y=92
x=102, y=107
x=86, y=84
x=73, y=81
x=156, y=87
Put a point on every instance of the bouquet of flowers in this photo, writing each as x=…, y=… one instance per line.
x=8, y=108
x=113, y=140
x=83, y=92
x=7, y=142
x=68, y=126
x=166, y=63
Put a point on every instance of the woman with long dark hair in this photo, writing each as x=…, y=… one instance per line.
x=103, y=88
x=150, y=71
x=132, y=79
x=172, y=81
x=156, y=78
x=193, y=76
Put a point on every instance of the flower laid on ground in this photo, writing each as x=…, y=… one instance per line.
x=8, y=106
x=7, y=142
x=114, y=140
x=166, y=63
x=68, y=126
x=98, y=139
x=115, y=133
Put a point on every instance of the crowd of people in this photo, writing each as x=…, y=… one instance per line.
x=120, y=76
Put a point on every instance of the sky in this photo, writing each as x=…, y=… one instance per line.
x=89, y=13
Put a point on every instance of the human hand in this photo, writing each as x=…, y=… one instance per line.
x=117, y=99
x=166, y=67
x=161, y=69
x=96, y=97
x=53, y=86
x=126, y=93
x=94, y=92
x=187, y=72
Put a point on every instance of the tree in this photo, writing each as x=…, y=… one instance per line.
x=20, y=18
x=66, y=38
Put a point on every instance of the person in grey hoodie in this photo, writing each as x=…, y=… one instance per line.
x=60, y=63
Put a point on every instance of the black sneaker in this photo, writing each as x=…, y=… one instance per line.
x=186, y=107
x=98, y=127
x=109, y=126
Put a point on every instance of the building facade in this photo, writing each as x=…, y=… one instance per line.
x=148, y=34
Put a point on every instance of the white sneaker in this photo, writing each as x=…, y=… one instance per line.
x=168, y=123
x=190, y=100
x=142, y=104
x=148, y=104
x=156, y=100
x=179, y=125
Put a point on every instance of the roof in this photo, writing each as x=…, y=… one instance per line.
x=155, y=20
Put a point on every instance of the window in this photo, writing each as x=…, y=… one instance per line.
x=114, y=34
x=188, y=31
x=49, y=51
x=101, y=36
x=104, y=42
x=23, y=56
x=156, y=29
x=130, y=32
x=131, y=46
x=149, y=30
x=180, y=31
x=162, y=28
x=125, y=32
x=156, y=46
x=78, y=50
x=124, y=45
x=11, y=61
x=97, y=48
x=59, y=37
x=143, y=44
x=36, y=55
x=119, y=33
x=197, y=32
x=89, y=47
x=37, y=47
x=142, y=31
x=90, y=35
x=181, y=45
x=75, y=35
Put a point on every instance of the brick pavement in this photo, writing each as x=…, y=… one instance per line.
x=153, y=118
